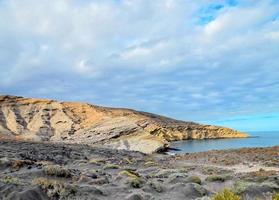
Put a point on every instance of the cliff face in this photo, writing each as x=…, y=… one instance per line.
x=48, y=120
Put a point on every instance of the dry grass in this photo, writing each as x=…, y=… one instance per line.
x=56, y=170
x=150, y=164
x=10, y=180
x=130, y=174
x=16, y=164
x=96, y=161
x=54, y=188
x=111, y=166
x=275, y=196
x=195, y=179
x=135, y=182
x=218, y=178
x=259, y=176
x=226, y=194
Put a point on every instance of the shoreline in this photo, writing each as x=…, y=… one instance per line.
x=169, y=150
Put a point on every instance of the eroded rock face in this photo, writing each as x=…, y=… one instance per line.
x=48, y=120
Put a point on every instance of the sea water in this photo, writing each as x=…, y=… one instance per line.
x=256, y=139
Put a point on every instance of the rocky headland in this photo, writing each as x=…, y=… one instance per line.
x=81, y=123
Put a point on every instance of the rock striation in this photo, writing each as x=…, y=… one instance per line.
x=82, y=123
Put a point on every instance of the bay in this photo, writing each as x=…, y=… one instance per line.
x=256, y=139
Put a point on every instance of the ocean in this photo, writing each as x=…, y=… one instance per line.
x=257, y=139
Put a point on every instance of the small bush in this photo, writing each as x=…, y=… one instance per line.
x=195, y=179
x=149, y=164
x=202, y=191
x=160, y=174
x=45, y=183
x=208, y=171
x=241, y=186
x=10, y=180
x=156, y=186
x=5, y=162
x=16, y=164
x=275, y=196
x=111, y=166
x=96, y=161
x=54, y=188
x=130, y=174
x=218, y=178
x=135, y=182
x=129, y=161
x=134, y=178
x=259, y=176
x=55, y=170
x=44, y=163
x=97, y=171
x=226, y=194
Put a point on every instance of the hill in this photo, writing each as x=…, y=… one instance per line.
x=67, y=122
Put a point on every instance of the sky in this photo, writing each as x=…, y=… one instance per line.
x=211, y=61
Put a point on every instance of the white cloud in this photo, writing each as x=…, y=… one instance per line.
x=82, y=66
x=149, y=55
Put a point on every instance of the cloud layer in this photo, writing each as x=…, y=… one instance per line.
x=198, y=60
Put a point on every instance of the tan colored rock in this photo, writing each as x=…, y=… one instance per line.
x=48, y=120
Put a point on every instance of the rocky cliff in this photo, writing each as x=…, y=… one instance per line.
x=49, y=120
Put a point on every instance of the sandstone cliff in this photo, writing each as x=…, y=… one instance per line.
x=48, y=120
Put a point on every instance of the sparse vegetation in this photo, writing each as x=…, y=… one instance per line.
x=275, y=196
x=135, y=182
x=259, y=176
x=56, y=170
x=241, y=186
x=54, y=188
x=195, y=179
x=156, y=186
x=218, y=178
x=45, y=183
x=10, y=180
x=134, y=178
x=171, y=177
x=111, y=166
x=129, y=161
x=200, y=189
x=44, y=163
x=130, y=174
x=208, y=171
x=96, y=161
x=226, y=194
x=4, y=161
x=149, y=164
x=16, y=164
x=272, y=162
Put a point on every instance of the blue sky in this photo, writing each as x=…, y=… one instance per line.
x=208, y=61
x=253, y=123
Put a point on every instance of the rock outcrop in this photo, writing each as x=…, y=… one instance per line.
x=49, y=120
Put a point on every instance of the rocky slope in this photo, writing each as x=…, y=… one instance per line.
x=49, y=120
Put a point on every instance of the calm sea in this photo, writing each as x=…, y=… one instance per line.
x=257, y=139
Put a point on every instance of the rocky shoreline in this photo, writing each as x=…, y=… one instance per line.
x=41, y=171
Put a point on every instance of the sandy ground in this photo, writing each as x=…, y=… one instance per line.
x=35, y=171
